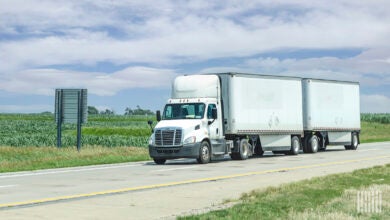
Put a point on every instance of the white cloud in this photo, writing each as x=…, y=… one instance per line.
x=375, y=104
x=370, y=68
x=44, y=81
x=167, y=31
x=40, y=37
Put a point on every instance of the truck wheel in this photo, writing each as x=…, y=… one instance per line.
x=244, y=149
x=295, y=146
x=354, y=142
x=159, y=161
x=204, y=153
x=312, y=145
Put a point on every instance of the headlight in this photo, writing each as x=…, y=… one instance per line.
x=190, y=140
x=151, y=140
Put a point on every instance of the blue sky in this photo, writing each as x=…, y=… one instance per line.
x=126, y=53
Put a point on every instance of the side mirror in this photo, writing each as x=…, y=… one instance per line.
x=150, y=122
x=158, y=115
x=214, y=113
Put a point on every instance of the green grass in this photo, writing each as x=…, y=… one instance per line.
x=34, y=158
x=374, y=132
x=329, y=197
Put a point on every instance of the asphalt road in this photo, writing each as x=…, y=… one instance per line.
x=144, y=190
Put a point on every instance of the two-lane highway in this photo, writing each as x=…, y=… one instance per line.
x=145, y=190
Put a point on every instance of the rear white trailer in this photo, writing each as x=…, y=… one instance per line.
x=331, y=114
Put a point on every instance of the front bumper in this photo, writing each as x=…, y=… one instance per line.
x=184, y=151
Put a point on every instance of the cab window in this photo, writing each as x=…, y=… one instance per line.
x=210, y=111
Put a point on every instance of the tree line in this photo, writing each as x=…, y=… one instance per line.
x=128, y=111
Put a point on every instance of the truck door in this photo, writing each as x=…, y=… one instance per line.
x=215, y=129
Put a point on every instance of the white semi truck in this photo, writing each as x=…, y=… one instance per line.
x=212, y=115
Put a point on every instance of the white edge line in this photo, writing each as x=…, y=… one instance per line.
x=8, y=186
x=35, y=173
x=180, y=168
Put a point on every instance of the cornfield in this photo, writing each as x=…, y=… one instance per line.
x=382, y=118
x=40, y=130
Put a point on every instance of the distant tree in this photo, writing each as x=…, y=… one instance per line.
x=129, y=111
x=46, y=113
x=138, y=111
x=107, y=112
x=92, y=110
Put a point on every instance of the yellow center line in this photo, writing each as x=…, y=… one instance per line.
x=123, y=190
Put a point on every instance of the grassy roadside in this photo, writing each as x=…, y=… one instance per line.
x=374, y=132
x=34, y=158
x=329, y=197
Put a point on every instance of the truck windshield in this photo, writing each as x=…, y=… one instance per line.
x=184, y=111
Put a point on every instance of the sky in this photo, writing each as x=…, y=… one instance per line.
x=127, y=52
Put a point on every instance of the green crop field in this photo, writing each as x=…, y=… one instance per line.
x=40, y=130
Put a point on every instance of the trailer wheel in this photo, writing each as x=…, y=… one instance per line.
x=312, y=145
x=354, y=142
x=295, y=145
x=244, y=149
x=159, y=161
x=204, y=153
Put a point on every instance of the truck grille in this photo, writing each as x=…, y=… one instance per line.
x=171, y=137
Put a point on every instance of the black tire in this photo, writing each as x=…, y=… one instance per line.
x=354, y=142
x=312, y=144
x=159, y=161
x=244, y=149
x=295, y=146
x=204, y=153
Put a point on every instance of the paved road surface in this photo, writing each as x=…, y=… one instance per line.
x=144, y=190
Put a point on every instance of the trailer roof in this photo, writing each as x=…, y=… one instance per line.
x=283, y=77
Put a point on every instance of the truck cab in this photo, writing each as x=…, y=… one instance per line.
x=190, y=125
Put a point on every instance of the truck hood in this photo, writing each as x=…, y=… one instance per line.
x=185, y=124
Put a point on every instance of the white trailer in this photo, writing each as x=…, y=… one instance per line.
x=331, y=114
x=209, y=116
x=265, y=110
